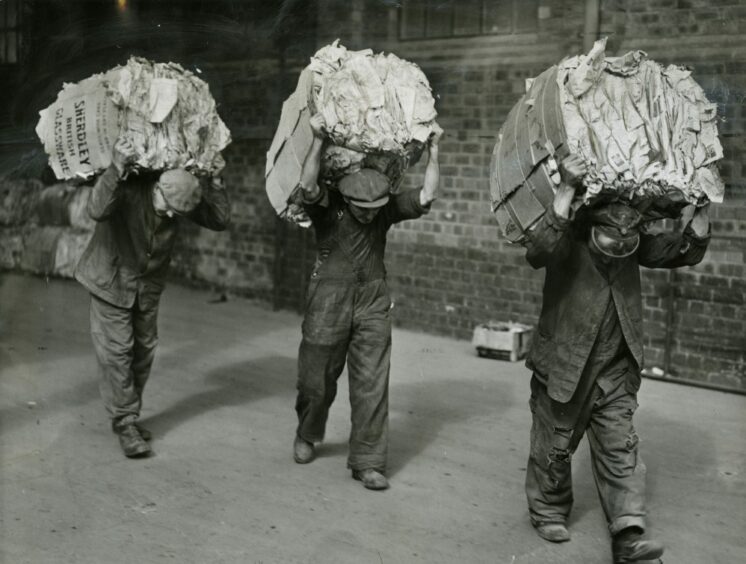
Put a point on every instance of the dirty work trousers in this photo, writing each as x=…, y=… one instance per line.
x=347, y=321
x=125, y=341
x=606, y=415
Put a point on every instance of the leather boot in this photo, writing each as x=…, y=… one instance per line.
x=144, y=433
x=629, y=546
x=303, y=451
x=553, y=532
x=371, y=479
x=132, y=443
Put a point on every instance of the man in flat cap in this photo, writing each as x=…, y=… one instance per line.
x=587, y=356
x=347, y=309
x=124, y=269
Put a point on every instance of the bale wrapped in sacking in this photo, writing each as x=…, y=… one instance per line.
x=166, y=112
x=647, y=133
x=379, y=111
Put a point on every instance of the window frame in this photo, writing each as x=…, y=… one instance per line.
x=8, y=31
x=483, y=5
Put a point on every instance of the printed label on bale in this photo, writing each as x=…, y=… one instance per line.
x=79, y=131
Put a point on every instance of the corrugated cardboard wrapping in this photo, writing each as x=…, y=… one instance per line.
x=166, y=112
x=378, y=111
x=646, y=132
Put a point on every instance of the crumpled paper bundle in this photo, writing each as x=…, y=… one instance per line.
x=644, y=130
x=169, y=116
x=371, y=102
x=379, y=111
x=165, y=111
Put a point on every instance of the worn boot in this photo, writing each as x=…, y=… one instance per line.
x=131, y=441
x=371, y=479
x=553, y=532
x=144, y=433
x=629, y=546
x=303, y=451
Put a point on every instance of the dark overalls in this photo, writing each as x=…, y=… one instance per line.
x=348, y=319
x=586, y=359
x=124, y=267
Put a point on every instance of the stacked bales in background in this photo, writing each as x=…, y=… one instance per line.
x=43, y=230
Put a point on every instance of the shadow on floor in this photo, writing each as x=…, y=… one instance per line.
x=41, y=406
x=235, y=384
x=423, y=409
x=664, y=445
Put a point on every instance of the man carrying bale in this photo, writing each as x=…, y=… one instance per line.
x=124, y=268
x=587, y=356
x=348, y=305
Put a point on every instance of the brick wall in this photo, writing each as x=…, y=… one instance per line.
x=451, y=269
x=242, y=257
x=701, y=309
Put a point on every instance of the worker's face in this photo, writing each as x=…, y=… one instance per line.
x=363, y=215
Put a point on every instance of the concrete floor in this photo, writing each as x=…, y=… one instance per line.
x=222, y=487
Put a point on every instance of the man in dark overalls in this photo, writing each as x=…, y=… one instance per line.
x=587, y=356
x=347, y=310
x=124, y=269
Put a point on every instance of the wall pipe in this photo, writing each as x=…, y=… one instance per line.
x=592, y=29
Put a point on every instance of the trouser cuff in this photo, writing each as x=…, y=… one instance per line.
x=119, y=422
x=539, y=521
x=621, y=523
x=308, y=436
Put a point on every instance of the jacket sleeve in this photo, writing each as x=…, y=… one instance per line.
x=214, y=211
x=548, y=239
x=106, y=195
x=405, y=205
x=672, y=250
x=316, y=207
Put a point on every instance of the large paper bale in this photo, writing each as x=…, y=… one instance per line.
x=11, y=248
x=379, y=111
x=647, y=133
x=64, y=205
x=53, y=250
x=166, y=112
x=70, y=246
x=18, y=200
x=371, y=103
x=40, y=250
x=52, y=207
x=77, y=209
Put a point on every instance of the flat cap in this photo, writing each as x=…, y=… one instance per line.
x=181, y=190
x=366, y=188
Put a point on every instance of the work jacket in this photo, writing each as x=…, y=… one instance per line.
x=349, y=250
x=576, y=294
x=131, y=246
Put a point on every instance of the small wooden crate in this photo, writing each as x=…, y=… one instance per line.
x=503, y=341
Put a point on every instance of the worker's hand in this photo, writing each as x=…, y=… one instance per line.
x=572, y=170
x=701, y=220
x=123, y=154
x=436, y=135
x=318, y=125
